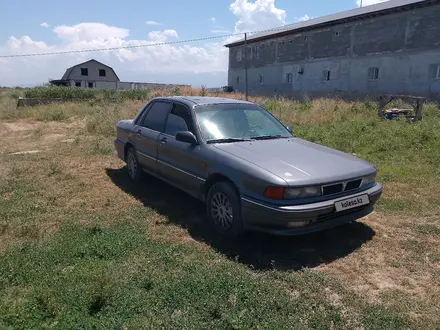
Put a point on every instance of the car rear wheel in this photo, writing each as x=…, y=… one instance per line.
x=224, y=210
x=133, y=167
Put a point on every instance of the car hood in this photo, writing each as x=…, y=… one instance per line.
x=299, y=162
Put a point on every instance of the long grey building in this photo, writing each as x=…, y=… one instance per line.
x=390, y=47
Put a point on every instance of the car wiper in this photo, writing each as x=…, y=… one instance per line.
x=227, y=140
x=269, y=137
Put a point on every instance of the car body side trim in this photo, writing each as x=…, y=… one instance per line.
x=180, y=170
x=145, y=155
x=119, y=141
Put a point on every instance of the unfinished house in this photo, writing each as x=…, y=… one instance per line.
x=90, y=74
x=390, y=47
x=94, y=74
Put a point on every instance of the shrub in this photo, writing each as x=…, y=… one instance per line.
x=71, y=93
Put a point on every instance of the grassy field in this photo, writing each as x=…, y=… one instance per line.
x=80, y=247
x=85, y=93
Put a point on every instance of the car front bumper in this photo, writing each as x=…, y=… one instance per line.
x=306, y=218
x=120, y=149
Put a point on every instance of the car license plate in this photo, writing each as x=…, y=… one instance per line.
x=350, y=203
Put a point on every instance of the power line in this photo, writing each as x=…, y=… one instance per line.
x=140, y=46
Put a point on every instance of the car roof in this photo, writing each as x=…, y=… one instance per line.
x=203, y=100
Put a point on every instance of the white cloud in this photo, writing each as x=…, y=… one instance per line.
x=45, y=25
x=258, y=15
x=152, y=23
x=191, y=63
x=90, y=31
x=368, y=2
x=304, y=18
x=212, y=19
x=162, y=36
x=160, y=63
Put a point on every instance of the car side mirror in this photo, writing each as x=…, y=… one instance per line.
x=289, y=128
x=187, y=137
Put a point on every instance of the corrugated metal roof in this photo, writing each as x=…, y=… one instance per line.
x=69, y=70
x=67, y=73
x=353, y=13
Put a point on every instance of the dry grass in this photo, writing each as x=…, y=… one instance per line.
x=381, y=273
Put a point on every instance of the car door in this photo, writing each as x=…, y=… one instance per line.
x=147, y=134
x=180, y=162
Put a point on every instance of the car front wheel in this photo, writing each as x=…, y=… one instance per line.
x=224, y=210
x=133, y=167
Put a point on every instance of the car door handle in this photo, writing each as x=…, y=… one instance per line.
x=139, y=131
x=163, y=140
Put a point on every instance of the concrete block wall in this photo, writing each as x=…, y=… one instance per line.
x=105, y=84
x=401, y=45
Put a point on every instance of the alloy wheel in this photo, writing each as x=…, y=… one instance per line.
x=132, y=165
x=221, y=211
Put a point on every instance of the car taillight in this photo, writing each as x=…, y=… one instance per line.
x=274, y=192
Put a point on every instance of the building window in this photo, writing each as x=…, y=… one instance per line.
x=305, y=38
x=101, y=72
x=239, y=55
x=326, y=75
x=84, y=72
x=290, y=41
x=434, y=71
x=77, y=83
x=238, y=80
x=90, y=84
x=289, y=77
x=337, y=33
x=260, y=79
x=256, y=52
x=373, y=73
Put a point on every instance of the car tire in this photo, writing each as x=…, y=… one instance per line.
x=224, y=209
x=134, y=169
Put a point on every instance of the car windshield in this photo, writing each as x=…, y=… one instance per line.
x=238, y=122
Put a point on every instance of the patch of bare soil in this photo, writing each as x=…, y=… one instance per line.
x=25, y=152
x=19, y=126
x=383, y=267
x=54, y=137
x=5, y=170
x=24, y=137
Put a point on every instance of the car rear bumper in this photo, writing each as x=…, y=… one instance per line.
x=120, y=146
x=302, y=219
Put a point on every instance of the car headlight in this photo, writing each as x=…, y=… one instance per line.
x=368, y=179
x=292, y=193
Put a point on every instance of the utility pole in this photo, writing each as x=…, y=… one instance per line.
x=245, y=66
x=361, y=3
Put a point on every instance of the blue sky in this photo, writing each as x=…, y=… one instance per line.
x=46, y=26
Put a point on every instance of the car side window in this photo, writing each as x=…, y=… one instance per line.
x=156, y=116
x=143, y=113
x=179, y=119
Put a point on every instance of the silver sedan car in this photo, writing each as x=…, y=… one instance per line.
x=249, y=169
